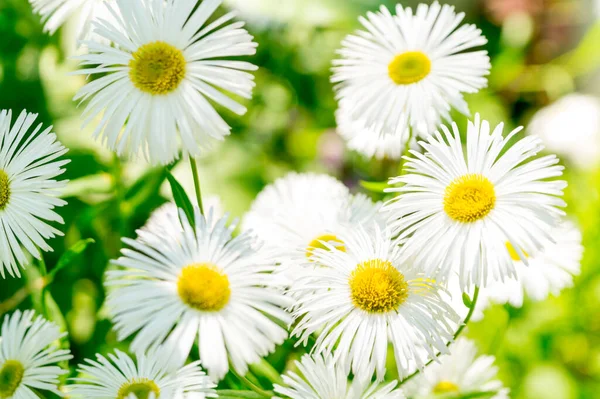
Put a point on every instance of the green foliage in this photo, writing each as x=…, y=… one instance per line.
x=547, y=350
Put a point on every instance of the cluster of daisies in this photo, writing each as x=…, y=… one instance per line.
x=363, y=285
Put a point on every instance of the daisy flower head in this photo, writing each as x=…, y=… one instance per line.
x=28, y=356
x=410, y=69
x=363, y=298
x=322, y=378
x=374, y=141
x=161, y=76
x=462, y=372
x=151, y=376
x=456, y=209
x=547, y=272
x=55, y=13
x=28, y=189
x=203, y=284
x=300, y=212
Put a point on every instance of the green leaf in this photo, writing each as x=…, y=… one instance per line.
x=467, y=300
x=181, y=199
x=374, y=186
x=234, y=394
x=70, y=255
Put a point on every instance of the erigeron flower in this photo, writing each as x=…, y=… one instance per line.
x=301, y=212
x=547, y=272
x=151, y=376
x=199, y=285
x=371, y=141
x=322, y=378
x=410, y=69
x=55, y=13
x=29, y=169
x=29, y=356
x=363, y=298
x=577, y=114
x=166, y=67
x=462, y=372
x=457, y=209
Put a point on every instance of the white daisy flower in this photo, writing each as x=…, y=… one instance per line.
x=322, y=378
x=373, y=141
x=360, y=299
x=28, y=356
x=55, y=13
x=205, y=284
x=121, y=377
x=460, y=373
x=28, y=189
x=578, y=114
x=546, y=273
x=457, y=210
x=300, y=212
x=158, y=80
x=408, y=70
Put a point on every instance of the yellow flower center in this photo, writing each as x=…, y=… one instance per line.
x=409, y=67
x=141, y=388
x=445, y=387
x=4, y=189
x=203, y=286
x=469, y=198
x=157, y=68
x=376, y=286
x=513, y=252
x=11, y=376
x=318, y=243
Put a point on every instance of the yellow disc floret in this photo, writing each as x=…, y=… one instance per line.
x=4, y=189
x=513, y=252
x=446, y=387
x=409, y=67
x=469, y=198
x=157, y=68
x=331, y=239
x=376, y=286
x=141, y=388
x=11, y=375
x=203, y=286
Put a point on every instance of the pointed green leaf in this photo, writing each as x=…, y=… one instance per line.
x=70, y=255
x=181, y=199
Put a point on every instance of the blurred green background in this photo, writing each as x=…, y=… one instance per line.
x=541, y=50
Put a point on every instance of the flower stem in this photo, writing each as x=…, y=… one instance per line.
x=251, y=385
x=456, y=334
x=197, y=184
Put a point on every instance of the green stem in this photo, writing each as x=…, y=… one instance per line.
x=251, y=385
x=44, y=273
x=197, y=184
x=456, y=334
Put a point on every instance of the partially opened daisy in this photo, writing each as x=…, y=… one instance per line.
x=363, y=298
x=460, y=373
x=456, y=209
x=163, y=75
x=410, y=69
x=301, y=212
x=547, y=272
x=203, y=285
x=29, y=356
x=320, y=377
x=370, y=141
x=55, y=13
x=29, y=169
x=151, y=376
